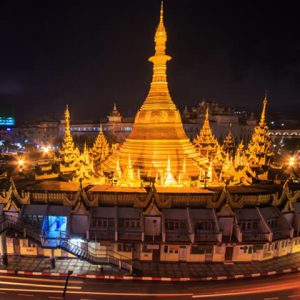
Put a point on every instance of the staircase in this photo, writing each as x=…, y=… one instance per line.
x=96, y=257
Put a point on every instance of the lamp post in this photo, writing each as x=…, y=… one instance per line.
x=70, y=272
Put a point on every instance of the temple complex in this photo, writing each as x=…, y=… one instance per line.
x=157, y=196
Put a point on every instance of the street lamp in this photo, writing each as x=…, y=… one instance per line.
x=292, y=161
x=21, y=164
x=46, y=149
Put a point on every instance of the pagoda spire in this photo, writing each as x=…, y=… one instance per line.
x=259, y=148
x=263, y=113
x=229, y=141
x=101, y=148
x=159, y=96
x=205, y=142
x=68, y=150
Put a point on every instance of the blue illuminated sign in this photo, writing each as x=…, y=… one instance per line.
x=9, y=121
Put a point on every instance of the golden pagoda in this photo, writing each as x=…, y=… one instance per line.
x=68, y=153
x=84, y=169
x=205, y=142
x=229, y=142
x=100, y=149
x=157, y=141
x=258, y=151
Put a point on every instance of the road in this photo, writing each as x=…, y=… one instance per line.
x=268, y=288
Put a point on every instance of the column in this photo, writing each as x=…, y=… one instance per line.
x=52, y=259
x=4, y=249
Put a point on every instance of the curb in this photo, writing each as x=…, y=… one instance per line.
x=145, y=278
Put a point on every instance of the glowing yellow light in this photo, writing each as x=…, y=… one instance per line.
x=46, y=149
x=292, y=161
x=21, y=163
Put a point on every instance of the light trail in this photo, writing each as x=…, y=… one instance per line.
x=97, y=293
x=40, y=279
x=39, y=285
x=255, y=290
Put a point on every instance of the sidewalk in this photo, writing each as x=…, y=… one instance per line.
x=62, y=265
x=157, y=271
x=194, y=270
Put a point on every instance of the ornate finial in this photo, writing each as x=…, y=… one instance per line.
x=206, y=114
x=67, y=113
x=162, y=11
x=101, y=129
x=115, y=106
x=263, y=113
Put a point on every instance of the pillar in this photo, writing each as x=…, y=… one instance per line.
x=52, y=258
x=4, y=249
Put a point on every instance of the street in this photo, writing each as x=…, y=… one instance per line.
x=267, y=288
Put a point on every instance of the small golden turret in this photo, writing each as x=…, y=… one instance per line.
x=259, y=148
x=205, y=142
x=68, y=153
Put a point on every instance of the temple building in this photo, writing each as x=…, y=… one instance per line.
x=157, y=196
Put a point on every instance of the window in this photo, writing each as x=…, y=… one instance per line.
x=205, y=226
x=129, y=223
x=176, y=225
x=197, y=249
x=103, y=223
x=272, y=222
x=124, y=247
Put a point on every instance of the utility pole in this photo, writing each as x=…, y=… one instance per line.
x=66, y=284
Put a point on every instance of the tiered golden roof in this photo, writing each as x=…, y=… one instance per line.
x=205, y=142
x=158, y=142
x=229, y=142
x=259, y=147
x=69, y=152
x=100, y=149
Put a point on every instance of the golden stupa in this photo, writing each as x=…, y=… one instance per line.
x=158, y=142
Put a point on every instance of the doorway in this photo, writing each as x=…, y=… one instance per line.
x=229, y=253
x=152, y=228
x=182, y=253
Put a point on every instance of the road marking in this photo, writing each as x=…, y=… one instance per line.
x=25, y=295
x=87, y=299
x=293, y=296
x=53, y=297
x=272, y=298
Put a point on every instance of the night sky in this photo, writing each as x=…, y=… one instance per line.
x=89, y=54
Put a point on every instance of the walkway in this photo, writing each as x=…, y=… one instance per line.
x=161, y=270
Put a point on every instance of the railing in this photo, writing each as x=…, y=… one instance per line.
x=90, y=255
x=98, y=234
x=130, y=235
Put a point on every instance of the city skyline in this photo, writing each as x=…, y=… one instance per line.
x=78, y=54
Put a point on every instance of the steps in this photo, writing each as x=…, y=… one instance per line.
x=109, y=257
